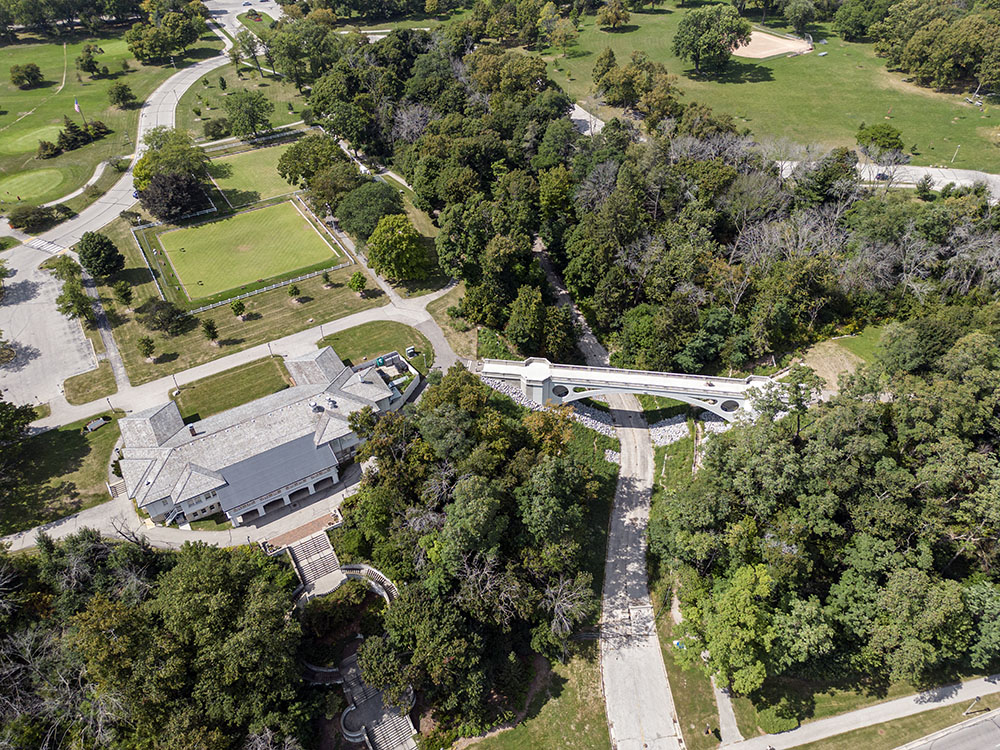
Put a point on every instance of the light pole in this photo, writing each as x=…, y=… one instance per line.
x=956, y=153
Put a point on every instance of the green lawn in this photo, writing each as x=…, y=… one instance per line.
x=248, y=247
x=231, y=388
x=269, y=316
x=68, y=473
x=369, y=340
x=807, y=99
x=261, y=28
x=865, y=343
x=36, y=114
x=901, y=731
x=206, y=96
x=250, y=176
x=566, y=714
x=88, y=386
x=460, y=334
x=218, y=522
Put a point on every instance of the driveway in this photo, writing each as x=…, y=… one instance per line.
x=49, y=346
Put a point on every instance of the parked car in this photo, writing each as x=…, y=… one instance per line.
x=881, y=177
x=96, y=424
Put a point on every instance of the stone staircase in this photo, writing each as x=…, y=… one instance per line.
x=314, y=557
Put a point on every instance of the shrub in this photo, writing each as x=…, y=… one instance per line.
x=47, y=149
x=777, y=718
x=97, y=129
x=25, y=76
x=30, y=218
x=216, y=128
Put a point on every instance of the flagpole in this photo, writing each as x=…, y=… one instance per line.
x=79, y=109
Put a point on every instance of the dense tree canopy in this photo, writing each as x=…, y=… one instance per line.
x=708, y=35
x=479, y=513
x=111, y=644
x=864, y=546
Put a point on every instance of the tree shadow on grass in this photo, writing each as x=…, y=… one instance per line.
x=240, y=198
x=231, y=341
x=734, y=72
x=51, y=454
x=626, y=29
x=165, y=357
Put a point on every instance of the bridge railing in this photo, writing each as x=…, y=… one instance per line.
x=642, y=373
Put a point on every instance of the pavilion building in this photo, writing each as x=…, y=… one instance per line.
x=251, y=460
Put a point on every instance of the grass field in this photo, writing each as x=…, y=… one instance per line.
x=566, y=714
x=808, y=99
x=29, y=116
x=231, y=388
x=250, y=176
x=892, y=734
x=256, y=245
x=68, y=474
x=369, y=340
x=269, y=316
x=206, y=96
x=865, y=343
x=462, y=341
x=88, y=386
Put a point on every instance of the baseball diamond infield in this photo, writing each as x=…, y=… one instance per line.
x=768, y=45
x=244, y=248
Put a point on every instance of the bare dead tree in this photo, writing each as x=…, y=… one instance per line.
x=974, y=259
x=268, y=739
x=8, y=588
x=569, y=601
x=597, y=186
x=494, y=589
x=410, y=121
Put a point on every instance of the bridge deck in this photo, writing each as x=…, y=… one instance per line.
x=539, y=370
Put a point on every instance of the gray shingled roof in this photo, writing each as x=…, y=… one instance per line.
x=224, y=445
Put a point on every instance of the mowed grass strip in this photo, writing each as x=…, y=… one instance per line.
x=250, y=176
x=231, y=388
x=238, y=250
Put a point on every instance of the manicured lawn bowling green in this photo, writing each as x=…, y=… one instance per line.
x=250, y=176
x=244, y=248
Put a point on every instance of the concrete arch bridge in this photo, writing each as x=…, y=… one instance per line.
x=545, y=382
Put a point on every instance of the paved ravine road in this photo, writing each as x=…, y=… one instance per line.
x=637, y=698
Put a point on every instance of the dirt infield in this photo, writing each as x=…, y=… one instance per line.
x=767, y=45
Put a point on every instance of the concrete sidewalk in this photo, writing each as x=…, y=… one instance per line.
x=962, y=692
x=136, y=398
x=119, y=515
